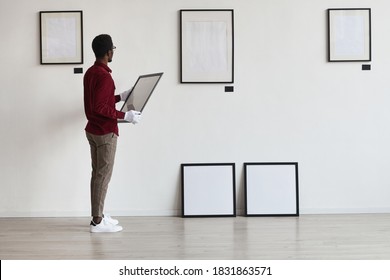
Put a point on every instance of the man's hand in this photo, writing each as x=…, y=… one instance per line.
x=133, y=117
x=125, y=94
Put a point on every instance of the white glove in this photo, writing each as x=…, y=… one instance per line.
x=125, y=94
x=133, y=117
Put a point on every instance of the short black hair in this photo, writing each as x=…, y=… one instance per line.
x=101, y=44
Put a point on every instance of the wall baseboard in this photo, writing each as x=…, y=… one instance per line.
x=177, y=212
x=344, y=210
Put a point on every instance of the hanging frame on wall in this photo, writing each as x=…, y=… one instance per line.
x=206, y=46
x=208, y=190
x=271, y=189
x=61, y=39
x=349, y=35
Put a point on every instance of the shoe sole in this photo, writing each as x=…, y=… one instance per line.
x=93, y=230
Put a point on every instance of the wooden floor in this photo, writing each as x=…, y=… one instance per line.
x=308, y=237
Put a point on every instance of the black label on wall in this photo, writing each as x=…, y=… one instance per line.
x=229, y=89
x=366, y=67
x=78, y=70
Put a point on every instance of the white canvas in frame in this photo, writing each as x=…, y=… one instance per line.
x=206, y=46
x=349, y=35
x=271, y=189
x=61, y=37
x=208, y=190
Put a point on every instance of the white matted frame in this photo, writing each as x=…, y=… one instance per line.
x=271, y=189
x=207, y=46
x=208, y=190
x=61, y=39
x=349, y=35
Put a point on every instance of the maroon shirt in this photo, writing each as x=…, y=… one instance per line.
x=99, y=101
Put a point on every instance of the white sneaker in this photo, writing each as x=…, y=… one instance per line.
x=110, y=220
x=104, y=226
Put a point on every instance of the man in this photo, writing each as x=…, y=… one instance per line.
x=102, y=128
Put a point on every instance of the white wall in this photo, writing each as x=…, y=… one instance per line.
x=289, y=104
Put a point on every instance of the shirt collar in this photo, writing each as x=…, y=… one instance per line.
x=104, y=66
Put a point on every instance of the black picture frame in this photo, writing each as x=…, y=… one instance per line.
x=141, y=92
x=61, y=37
x=271, y=188
x=203, y=60
x=349, y=34
x=208, y=190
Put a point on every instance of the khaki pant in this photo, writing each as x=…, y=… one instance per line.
x=103, y=148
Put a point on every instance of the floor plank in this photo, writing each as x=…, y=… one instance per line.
x=308, y=237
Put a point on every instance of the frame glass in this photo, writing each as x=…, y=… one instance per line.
x=349, y=35
x=208, y=190
x=271, y=189
x=61, y=37
x=206, y=46
x=141, y=92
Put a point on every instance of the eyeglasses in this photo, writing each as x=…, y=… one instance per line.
x=113, y=47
